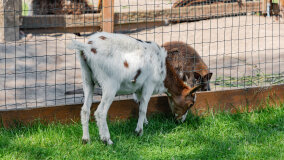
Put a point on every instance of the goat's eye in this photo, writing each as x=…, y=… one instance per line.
x=190, y=105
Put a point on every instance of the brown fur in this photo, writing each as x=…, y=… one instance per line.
x=180, y=94
x=125, y=64
x=187, y=63
x=102, y=37
x=83, y=54
x=94, y=50
x=90, y=42
x=136, y=76
x=44, y=7
x=173, y=81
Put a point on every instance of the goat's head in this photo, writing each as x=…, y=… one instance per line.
x=203, y=80
x=180, y=104
x=180, y=96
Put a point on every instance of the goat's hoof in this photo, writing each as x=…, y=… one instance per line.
x=85, y=141
x=182, y=119
x=139, y=132
x=107, y=141
x=146, y=122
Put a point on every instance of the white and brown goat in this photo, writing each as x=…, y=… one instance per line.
x=122, y=65
x=188, y=64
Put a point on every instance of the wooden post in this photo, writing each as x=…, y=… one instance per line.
x=10, y=12
x=264, y=6
x=108, y=16
x=100, y=6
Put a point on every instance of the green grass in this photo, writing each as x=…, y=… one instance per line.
x=256, y=80
x=25, y=9
x=255, y=135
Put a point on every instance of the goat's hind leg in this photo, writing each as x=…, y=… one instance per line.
x=85, y=112
x=109, y=91
x=88, y=88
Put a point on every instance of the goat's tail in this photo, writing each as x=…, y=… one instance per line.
x=77, y=45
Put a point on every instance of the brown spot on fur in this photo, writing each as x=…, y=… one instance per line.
x=125, y=64
x=83, y=54
x=90, y=42
x=136, y=76
x=102, y=37
x=94, y=50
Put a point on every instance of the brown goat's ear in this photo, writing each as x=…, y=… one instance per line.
x=184, y=77
x=197, y=75
x=194, y=89
x=208, y=76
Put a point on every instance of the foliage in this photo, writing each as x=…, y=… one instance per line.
x=25, y=9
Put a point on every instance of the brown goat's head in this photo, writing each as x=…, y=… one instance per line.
x=180, y=104
x=203, y=80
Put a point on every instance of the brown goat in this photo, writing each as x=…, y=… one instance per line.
x=188, y=64
x=45, y=7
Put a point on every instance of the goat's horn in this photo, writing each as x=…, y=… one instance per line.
x=194, y=89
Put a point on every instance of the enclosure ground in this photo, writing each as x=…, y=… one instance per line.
x=241, y=51
x=255, y=135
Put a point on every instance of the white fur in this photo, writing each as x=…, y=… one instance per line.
x=107, y=69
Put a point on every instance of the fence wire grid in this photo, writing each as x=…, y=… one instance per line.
x=240, y=42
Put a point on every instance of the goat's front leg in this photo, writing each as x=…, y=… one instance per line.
x=147, y=92
x=137, y=99
x=109, y=92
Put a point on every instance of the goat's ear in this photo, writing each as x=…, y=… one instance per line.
x=184, y=77
x=197, y=75
x=208, y=76
x=194, y=89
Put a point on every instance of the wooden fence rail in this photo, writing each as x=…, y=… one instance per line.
x=132, y=20
x=237, y=100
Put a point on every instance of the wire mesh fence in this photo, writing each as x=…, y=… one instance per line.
x=240, y=46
